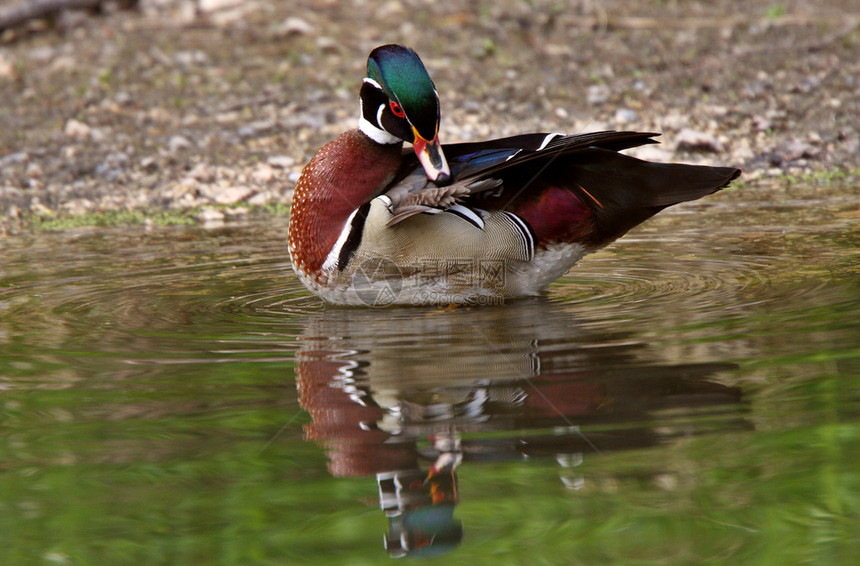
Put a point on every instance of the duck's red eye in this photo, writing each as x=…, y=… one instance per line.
x=397, y=110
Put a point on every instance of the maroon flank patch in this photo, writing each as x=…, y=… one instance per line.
x=555, y=214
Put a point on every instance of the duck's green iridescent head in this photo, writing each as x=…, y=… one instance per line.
x=400, y=103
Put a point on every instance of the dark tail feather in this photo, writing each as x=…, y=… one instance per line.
x=623, y=191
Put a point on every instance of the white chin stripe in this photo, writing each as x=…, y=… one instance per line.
x=371, y=130
x=376, y=134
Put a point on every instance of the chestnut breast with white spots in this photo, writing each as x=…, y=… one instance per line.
x=344, y=174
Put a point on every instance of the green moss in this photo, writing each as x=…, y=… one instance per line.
x=111, y=218
x=137, y=217
x=824, y=177
x=775, y=11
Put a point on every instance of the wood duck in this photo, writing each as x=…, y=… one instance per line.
x=372, y=223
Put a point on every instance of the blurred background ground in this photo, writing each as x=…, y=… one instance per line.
x=213, y=106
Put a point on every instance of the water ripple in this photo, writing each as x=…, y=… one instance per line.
x=126, y=284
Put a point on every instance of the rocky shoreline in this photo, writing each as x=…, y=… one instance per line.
x=211, y=112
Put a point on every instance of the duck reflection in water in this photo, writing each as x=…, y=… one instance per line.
x=394, y=392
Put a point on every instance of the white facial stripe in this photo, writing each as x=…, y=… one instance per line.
x=370, y=81
x=373, y=131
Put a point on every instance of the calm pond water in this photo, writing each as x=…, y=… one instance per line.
x=690, y=395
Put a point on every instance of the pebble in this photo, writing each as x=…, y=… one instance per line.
x=191, y=58
x=263, y=174
x=15, y=158
x=203, y=173
x=761, y=123
x=7, y=68
x=76, y=129
x=797, y=149
x=281, y=161
x=34, y=171
x=295, y=26
x=226, y=195
x=78, y=206
x=652, y=153
x=210, y=216
x=256, y=128
x=238, y=212
x=626, y=116
x=42, y=54
x=149, y=163
x=697, y=141
x=178, y=143
x=40, y=209
x=598, y=94
x=261, y=198
x=327, y=44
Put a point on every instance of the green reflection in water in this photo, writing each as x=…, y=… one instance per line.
x=149, y=411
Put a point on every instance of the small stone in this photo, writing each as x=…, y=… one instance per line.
x=327, y=44
x=203, y=173
x=281, y=161
x=256, y=128
x=295, y=26
x=77, y=130
x=16, y=158
x=598, y=94
x=210, y=216
x=697, y=141
x=263, y=174
x=626, y=116
x=651, y=153
x=261, y=198
x=673, y=120
x=159, y=115
x=149, y=164
x=7, y=68
x=42, y=54
x=123, y=98
x=797, y=149
x=238, y=212
x=78, y=207
x=761, y=123
x=226, y=195
x=34, y=170
x=190, y=58
x=39, y=209
x=97, y=135
x=178, y=143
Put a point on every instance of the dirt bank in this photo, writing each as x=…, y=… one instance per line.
x=168, y=108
